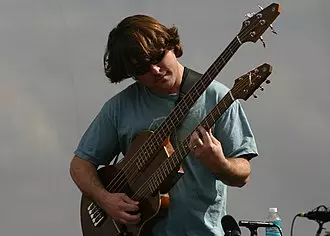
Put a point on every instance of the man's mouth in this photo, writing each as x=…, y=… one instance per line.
x=159, y=78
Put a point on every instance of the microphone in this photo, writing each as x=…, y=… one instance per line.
x=322, y=216
x=229, y=226
x=255, y=224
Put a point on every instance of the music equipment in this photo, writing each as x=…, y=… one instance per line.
x=255, y=224
x=150, y=150
x=230, y=226
x=322, y=216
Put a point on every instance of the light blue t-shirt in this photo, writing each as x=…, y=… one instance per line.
x=198, y=199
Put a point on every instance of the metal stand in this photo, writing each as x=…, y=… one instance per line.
x=253, y=230
x=318, y=232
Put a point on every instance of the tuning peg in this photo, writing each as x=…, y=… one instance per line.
x=255, y=96
x=270, y=26
x=263, y=41
x=260, y=7
x=272, y=29
x=249, y=14
x=262, y=88
x=268, y=81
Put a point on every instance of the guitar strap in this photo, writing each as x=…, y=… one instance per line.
x=189, y=78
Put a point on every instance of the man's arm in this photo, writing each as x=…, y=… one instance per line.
x=117, y=205
x=235, y=173
x=84, y=174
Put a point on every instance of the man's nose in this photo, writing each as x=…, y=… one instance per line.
x=155, y=69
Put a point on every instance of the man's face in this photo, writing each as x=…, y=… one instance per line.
x=162, y=77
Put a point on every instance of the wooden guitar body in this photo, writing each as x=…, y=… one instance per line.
x=148, y=207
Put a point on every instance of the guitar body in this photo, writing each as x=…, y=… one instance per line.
x=148, y=207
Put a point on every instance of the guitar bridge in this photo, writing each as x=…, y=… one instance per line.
x=96, y=214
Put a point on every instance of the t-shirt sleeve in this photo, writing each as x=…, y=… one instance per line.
x=235, y=134
x=99, y=144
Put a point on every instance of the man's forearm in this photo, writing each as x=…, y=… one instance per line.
x=235, y=173
x=84, y=174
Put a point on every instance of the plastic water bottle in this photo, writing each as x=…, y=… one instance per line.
x=273, y=217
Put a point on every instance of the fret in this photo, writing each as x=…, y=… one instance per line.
x=143, y=157
x=224, y=103
x=168, y=128
x=184, y=103
x=152, y=186
x=231, y=51
x=216, y=67
x=179, y=115
x=161, y=134
x=207, y=124
x=152, y=147
x=218, y=109
x=162, y=175
x=167, y=169
x=175, y=160
x=156, y=181
x=139, y=163
x=212, y=117
x=171, y=163
x=223, y=60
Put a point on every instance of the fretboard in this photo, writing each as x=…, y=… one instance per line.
x=180, y=111
x=182, y=150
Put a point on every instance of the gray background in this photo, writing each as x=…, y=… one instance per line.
x=52, y=85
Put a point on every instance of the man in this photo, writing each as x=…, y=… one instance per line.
x=142, y=48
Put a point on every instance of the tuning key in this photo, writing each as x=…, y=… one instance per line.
x=255, y=96
x=263, y=41
x=268, y=81
x=272, y=29
x=270, y=26
x=262, y=88
x=249, y=14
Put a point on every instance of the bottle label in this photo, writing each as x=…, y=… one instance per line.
x=273, y=231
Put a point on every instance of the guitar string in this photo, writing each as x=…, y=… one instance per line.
x=180, y=153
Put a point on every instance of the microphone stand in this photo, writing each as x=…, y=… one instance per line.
x=318, y=232
x=253, y=230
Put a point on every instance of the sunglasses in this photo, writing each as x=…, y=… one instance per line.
x=158, y=58
x=152, y=61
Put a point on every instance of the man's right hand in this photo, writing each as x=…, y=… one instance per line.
x=120, y=207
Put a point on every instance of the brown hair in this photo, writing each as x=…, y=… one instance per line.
x=135, y=43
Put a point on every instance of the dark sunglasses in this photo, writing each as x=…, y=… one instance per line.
x=158, y=58
x=152, y=61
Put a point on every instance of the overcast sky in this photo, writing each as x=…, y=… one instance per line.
x=52, y=86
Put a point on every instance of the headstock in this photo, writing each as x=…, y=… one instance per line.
x=245, y=86
x=256, y=25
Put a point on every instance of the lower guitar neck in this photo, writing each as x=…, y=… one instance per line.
x=182, y=150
